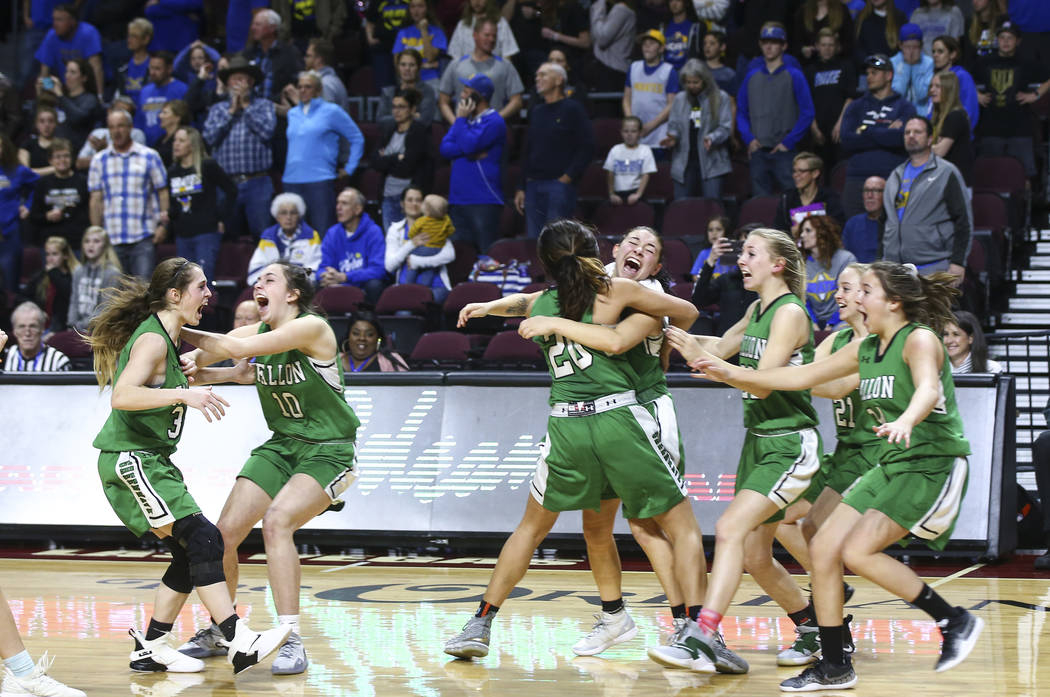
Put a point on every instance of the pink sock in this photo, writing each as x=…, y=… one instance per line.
x=709, y=621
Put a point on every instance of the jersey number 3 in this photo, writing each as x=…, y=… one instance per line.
x=577, y=356
x=178, y=417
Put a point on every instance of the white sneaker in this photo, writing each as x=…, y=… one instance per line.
x=160, y=655
x=36, y=684
x=610, y=629
x=249, y=647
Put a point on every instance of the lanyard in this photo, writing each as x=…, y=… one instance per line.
x=358, y=368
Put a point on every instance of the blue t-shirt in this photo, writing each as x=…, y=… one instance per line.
x=55, y=52
x=901, y=201
x=677, y=34
x=412, y=38
x=701, y=259
x=136, y=77
x=151, y=100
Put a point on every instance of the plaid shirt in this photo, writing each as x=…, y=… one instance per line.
x=240, y=142
x=129, y=183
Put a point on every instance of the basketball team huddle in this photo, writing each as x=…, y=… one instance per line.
x=899, y=467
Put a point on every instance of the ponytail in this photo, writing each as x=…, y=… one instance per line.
x=569, y=254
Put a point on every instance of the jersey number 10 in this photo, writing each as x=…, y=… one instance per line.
x=288, y=404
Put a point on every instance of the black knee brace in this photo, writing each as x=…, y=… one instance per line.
x=204, y=547
x=177, y=577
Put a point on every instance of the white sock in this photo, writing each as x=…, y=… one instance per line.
x=289, y=619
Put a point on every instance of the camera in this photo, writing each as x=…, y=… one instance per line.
x=730, y=258
x=48, y=83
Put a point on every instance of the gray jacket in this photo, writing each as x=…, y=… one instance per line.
x=937, y=222
x=713, y=162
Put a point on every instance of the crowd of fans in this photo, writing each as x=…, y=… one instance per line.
x=376, y=143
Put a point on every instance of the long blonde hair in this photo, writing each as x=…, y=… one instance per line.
x=67, y=265
x=781, y=246
x=949, y=83
x=108, y=257
x=196, y=147
x=834, y=16
x=892, y=30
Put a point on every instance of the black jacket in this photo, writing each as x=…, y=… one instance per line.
x=417, y=161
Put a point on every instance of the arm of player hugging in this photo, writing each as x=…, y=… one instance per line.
x=615, y=339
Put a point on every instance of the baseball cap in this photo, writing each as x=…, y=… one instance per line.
x=654, y=34
x=911, y=32
x=1009, y=26
x=480, y=83
x=773, y=33
x=879, y=61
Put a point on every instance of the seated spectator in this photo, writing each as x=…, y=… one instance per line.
x=401, y=243
x=404, y=154
x=967, y=349
x=189, y=61
x=818, y=238
x=946, y=56
x=912, y=69
x=726, y=290
x=98, y=139
x=30, y=354
x=246, y=313
x=70, y=39
x=678, y=30
x=354, y=249
x=651, y=86
x=423, y=35
x=813, y=17
x=50, y=287
x=877, y=26
x=717, y=229
x=506, y=96
x=475, y=146
x=16, y=192
x=951, y=126
x=291, y=239
x=75, y=100
x=173, y=116
x=430, y=232
x=133, y=75
x=863, y=232
x=362, y=347
x=278, y=60
x=808, y=197
x=936, y=17
x=698, y=132
x=628, y=165
x=319, y=57
x=462, y=43
x=833, y=82
x=409, y=64
x=99, y=269
x=162, y=88
x=60, y=200
x=36, y=153
x=713, y=51
x=612, y=32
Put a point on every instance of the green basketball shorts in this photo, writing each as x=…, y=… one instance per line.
x=779, y=466
x=272, y=464
x=145, y=489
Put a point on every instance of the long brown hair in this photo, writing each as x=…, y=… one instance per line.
x=892, y=30
x=569, y=254
x=949, y=83
x=68, y=264
x=781, y=246
x=829, y=237
x=924, y=299
x=298, y=279
x=127, y=306
x=835, y=14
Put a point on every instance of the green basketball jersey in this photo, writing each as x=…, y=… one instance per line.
x=304, y=398
x=578, y=373
x=886, y=388
x=157, y=430
x=848, y=409
x=781, y=410
x=645, y=361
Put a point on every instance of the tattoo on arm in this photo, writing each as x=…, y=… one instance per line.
x=518, y=307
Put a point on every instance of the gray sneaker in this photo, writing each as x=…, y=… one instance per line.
x=609, y=630
x=804, y=651
x=206, y=643
x=690, y=650
x=473, y=641
x=291, y=658
x=726, y=661
x=821, y=676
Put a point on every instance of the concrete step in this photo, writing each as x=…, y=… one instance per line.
x=1024, y=303
x=1032, y=289
x=1034, y=275
x=1025, y=383
x=1033, y=320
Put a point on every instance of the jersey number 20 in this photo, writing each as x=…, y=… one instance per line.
x=577, y=356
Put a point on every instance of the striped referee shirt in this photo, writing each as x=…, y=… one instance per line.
x=47, y=360
x=129, y=183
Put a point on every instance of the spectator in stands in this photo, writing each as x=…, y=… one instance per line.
x=464, y=36
x=872, y=132
x=383, y=19
x=813, y=17
x=717, y=228
x=612, y=33
x=162, y=88
x=774, y=112
x=946, y=55
x=354, y=249
x=474, y=145
x=320, y=55
x=98, y=139
x=278, y=60
x=863, y=232
x=808, y=197
x=402, y=262
x=362, y=347
x=928, y=221
x=16, y=194
x=302, y=22
x=937, y=17
x=424, y=35
x=193, y=57
x=133, y=75
x=173, y=116
x=129, y=191
x=36, y=153
x=177, y=23
x=726, y=289
x=912, y=69
x=1005, y=94
x=403, y=155
x=239, y=131
x=966, y=346
x=979, y=41
x=714, y=51
x=698, y=132
x=69, y=39
x=75, y=97
x=559, y=145
x=506, y=97
x=291, y=239
x=409, y=64
x=821, y=244
x=99, y=268
x=205, y=87
x=878, y=26
x=651, y=86
x=833, y=82
x=431, y=232
x=678, y=30
x=50, y=287
x=30, y=354
x=628, y=165
x=246, y=312
x=60, y=200
x=951, y=127
x=544, y=26
x=314, y=129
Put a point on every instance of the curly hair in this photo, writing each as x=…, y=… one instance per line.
x=829, y=237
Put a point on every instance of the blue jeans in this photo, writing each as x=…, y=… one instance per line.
x=695, y=185
x=392, y=211
x=320, y=202
x=771, y=172
x=253, y=205
x=202, y=249
x=137, y=258
x=477, y=224
x=11, y=257
x=373, y=289
x=546, y=200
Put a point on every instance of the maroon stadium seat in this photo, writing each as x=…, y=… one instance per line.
x=678, y=261
x=405, y=297
x=689, y=216
x=508, y=348
x=340, y=300
x=614, y=221
x=439, y=348
x=761, y=209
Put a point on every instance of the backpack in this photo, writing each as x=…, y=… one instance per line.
x=511, y=277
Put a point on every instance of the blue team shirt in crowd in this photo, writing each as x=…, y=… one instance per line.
x=412, y=38
x=55, y=52
x=151, y=100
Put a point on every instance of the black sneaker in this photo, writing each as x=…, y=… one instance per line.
x=847, y=592
x=960, y=635
x=848, y=647
x=822, y=676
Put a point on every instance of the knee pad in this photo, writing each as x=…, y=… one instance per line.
x=177, y=576
x=204, y=548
